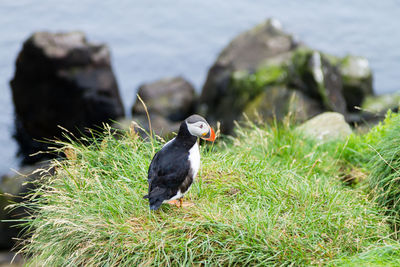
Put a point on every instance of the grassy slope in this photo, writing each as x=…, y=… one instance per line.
x=266, y=197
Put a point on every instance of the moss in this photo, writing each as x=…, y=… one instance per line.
x=252, y=84
x=333, y=60
x=300, y=58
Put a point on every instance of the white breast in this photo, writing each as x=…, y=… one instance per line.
x=194, y=159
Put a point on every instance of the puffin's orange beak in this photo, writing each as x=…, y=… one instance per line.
x=211, y=135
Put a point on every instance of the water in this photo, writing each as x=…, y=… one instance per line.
x=154, y=39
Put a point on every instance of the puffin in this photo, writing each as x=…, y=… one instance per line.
x=174, y=168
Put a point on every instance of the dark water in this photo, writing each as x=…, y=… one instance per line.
x=153, y=39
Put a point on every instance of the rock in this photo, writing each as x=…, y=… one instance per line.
x=327, y=126
x=373, y=110
x=168, y=101
x=171, y=98
x=245, y=53
x=277, y=101
x=312, y=73
x=61, y=79
x=255, y=74
x=159, y=125
x=357, y=80
x=11, y=259
x=12, y=190
x=262, y=70
x=382, y=103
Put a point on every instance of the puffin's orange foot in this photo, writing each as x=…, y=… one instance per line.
x=180, y=204
x=174, y=202
x=187, y=204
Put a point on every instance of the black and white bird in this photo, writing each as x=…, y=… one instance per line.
x=174, y=168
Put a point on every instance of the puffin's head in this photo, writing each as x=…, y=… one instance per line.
x=199, y=127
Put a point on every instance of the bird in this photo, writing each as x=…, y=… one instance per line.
x=174, y=168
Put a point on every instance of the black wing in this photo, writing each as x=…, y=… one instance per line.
x=168, y=169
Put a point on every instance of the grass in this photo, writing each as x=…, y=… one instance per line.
x=388, y=255
x=385, y=170
x=266, y=197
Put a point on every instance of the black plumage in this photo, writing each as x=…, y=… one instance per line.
x=170, y=170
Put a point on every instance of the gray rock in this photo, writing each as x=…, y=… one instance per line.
x=327, y=126
x=171, y=98
x=11, y=259
x=12, y=190
x=61, y=79
x=357, y=80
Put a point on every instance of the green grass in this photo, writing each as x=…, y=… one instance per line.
x=268, y=196
x=388, y=255
x=381, y=256
x=385, y=170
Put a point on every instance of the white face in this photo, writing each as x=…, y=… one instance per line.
x=199, y=128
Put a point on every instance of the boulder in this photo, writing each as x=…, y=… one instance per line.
x=311, y=72
x=220, y=98
x=357, y=80
x=61, y=79
x=263, y=68
x=173, y=98
x=140, y=124
x=325, y=127
x=380, y=104
x=278, y=101
x=168, y=101
x=12, y=189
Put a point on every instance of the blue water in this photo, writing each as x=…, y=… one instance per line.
x=154, y=39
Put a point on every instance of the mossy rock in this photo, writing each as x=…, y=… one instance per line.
x=246, y=57
x=253, y=62
x=313, y=74
x=276, y=102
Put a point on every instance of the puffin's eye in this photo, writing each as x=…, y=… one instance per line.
x=201, y=126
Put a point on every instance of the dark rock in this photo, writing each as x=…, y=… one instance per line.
x=172, y=98
x=168, y=101
x=245, y=53
x=61, y=79
x=159, y=125
x=13, y=188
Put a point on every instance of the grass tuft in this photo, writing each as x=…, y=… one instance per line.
x=267, y=196
x=385, y=171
